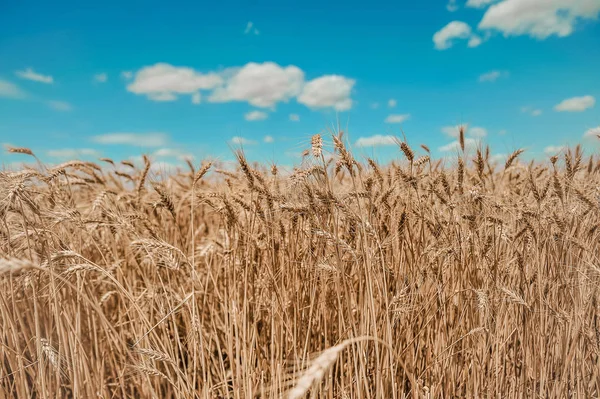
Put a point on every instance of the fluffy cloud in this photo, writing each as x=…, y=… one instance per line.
x=492, y=76
x=376, y=140
x=268, y=139
x=538, y=18
x=594, y=132
x=445, y=37
x=62, y=106
x=256, y=116
x=328, y=91
x=397, y=118
x=134, y=139
x=100, y=77
x=575, y=104
x=261, y=85
x=163, y=82
x=237, y=140
x=294, y=117
x=10, y=90
x=30, y=74
x=72, y=153
x=392, y=102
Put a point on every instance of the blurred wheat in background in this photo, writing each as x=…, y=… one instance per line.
x=342, y=279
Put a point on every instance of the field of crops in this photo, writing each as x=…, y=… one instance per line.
x=340, y=279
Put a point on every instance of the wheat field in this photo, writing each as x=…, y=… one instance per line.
x=422, y=278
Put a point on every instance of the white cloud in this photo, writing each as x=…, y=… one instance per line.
x=538, y=18
x=60, y=105
x=134, y=139
x=593, y=132
x=554, y=149
x=250, y=28
x=30, y=74
x=376, y=140
x=268, y=139
x=127, y=75
x=374, y=105
x=101, y=77
x=237, y=140
x=445, y=37
x=479, y=3
x=10, y=90
x=455, y=145
x=72, y=153
x=196, y=98
x=451, y=6
x=261, y=85
x=328, y=91
x=575, y=104
x=256, y=116
x=392, y=103
x=453, y=131
x=397, y=118
x=531, y=111
x=163, y=82
x=294, y=117
x=492, y=76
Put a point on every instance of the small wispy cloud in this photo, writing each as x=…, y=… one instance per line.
x=392, y=102
x=376, y=140
x=374, y=105
x=173, y=153
x=294, y=117
x=251, y=29
x=268, y=139
x=30, y=74
x=61, y=106
x=575, y=104
x=11, y=90
x=397, y=118
x=492, y=76
x=72, y=153
x=452, y=6
x=531, y=111
x=133, y=139
x=593, y=132
x=455, y=145
x=127, y=75
x=100, y=77
x=237, y=140
x=256, y=116
x=470, y=131
x=453, y=31
x=196, y=98
x=554, y=149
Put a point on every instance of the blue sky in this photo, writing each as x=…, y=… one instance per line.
x=169, y=79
